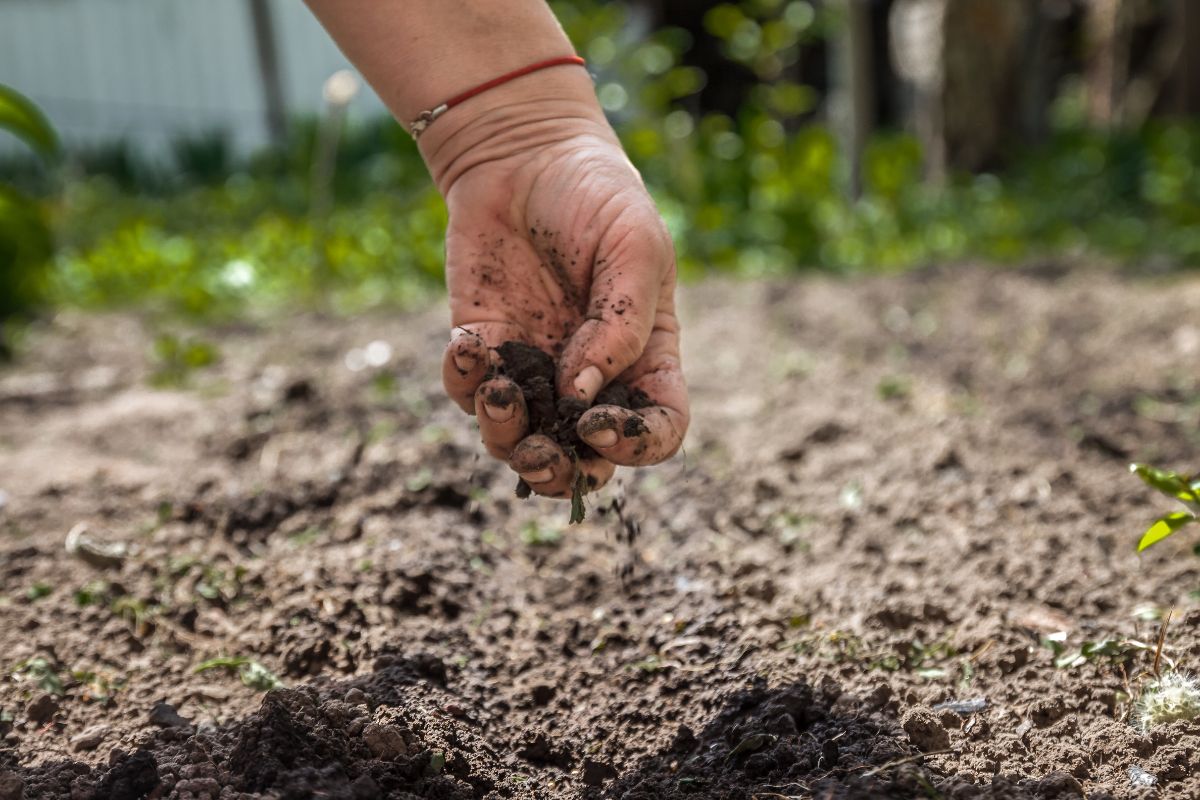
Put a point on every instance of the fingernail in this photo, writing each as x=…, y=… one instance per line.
x=498, y=413
x=541, y=476
x=605, y=437
x=463, y=363
x=588, y=382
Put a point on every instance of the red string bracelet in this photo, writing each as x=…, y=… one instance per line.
x=426, y=118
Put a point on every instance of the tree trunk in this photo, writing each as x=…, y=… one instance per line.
x=961, y=60
x=269, y=70
x=1183, y=91
x=853, y=87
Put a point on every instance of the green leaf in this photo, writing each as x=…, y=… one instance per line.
x=1164, y=527
x=225, y=662
x=251, y=673
x=1172, y=484
x=578, y=511
x=20, y=117
x=256, y=676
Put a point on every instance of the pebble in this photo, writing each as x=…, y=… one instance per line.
x=1139, y=778
x=385, y=741
x=164, y=715
x=103, y=555
x=357, y=697
x=90, y=738
x=964, y=708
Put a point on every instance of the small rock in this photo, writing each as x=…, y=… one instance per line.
x=11, y=786
x=90, y=738
x=103, y=555
x=384, y=741
x=42, y=709
x=357, y=697
x=1139, y=778
x=964, y=708
x=925, y=730
x=595, y=773
x=164, y=715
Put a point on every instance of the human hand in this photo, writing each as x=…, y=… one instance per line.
x=553, y=241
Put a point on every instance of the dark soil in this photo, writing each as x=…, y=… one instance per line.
x=897, y=496
x=533, y=371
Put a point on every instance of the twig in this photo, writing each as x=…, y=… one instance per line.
x=900, y=761
x=1162, y=640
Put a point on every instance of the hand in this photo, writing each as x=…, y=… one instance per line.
x=554, y=241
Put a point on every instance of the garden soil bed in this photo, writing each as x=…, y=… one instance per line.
x=897, y=493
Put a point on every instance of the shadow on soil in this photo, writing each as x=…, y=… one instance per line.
x=398, y=733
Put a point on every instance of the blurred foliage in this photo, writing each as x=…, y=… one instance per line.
x=175, y=359
x=760, y=191
x=25, y=242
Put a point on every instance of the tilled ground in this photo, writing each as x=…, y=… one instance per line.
x=898, y=493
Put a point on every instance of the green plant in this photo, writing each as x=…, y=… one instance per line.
x=41, y=672
x=96, y=687
x=1113, y=651
x=1169, y=698
x=535, y=534
x=251, y=672
x=25, y=241
x=137, y=612
x=1184, y=488
x=176, y=358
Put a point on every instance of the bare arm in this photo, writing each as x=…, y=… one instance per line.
x=553, y=240
x=418, y=53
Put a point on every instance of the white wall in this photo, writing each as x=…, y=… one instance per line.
x=151, y=70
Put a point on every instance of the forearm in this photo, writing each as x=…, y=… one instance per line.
x=418, y=53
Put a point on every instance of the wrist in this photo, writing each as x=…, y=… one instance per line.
x=522, y=116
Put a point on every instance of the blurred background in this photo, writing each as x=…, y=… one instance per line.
x=198, y=160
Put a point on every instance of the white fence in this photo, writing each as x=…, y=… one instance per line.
x=151, y=71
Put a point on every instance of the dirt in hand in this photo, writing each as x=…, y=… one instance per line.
x=555, y=416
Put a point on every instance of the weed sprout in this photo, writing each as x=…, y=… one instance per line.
x=1184, y=488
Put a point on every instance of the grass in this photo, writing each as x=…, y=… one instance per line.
x=252, y=673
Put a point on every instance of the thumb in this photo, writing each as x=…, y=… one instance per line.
x=627, y=283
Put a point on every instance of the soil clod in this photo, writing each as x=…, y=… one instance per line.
x=556, y=416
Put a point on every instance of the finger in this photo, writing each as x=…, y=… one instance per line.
x=654, y=431
x=543, y=465
x=633, y=262
x=503, y=419
x=632, y=438
x=464, y=364
x=597, y=472
x=469, y=356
